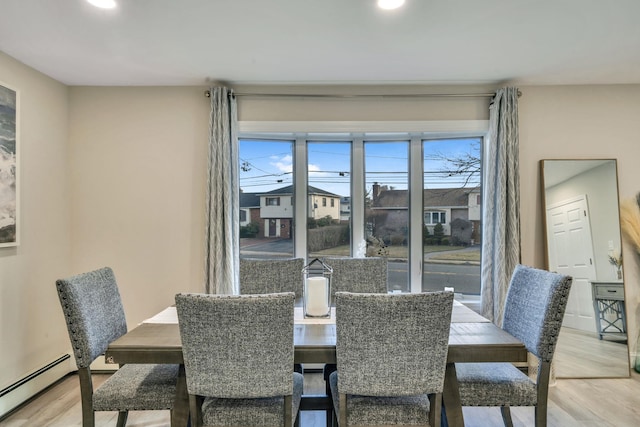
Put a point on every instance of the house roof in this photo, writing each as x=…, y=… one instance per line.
x=289, y=190
x=249, y=200
x=433, y=198
x=447, y=197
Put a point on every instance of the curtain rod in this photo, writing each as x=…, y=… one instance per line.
x=207, y=94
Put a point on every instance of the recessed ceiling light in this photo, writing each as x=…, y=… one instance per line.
x=390, y=4
x=103, y=4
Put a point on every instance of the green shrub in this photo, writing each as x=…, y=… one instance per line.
x=325, y=221
x=327, y=237
x=438, y=233
x=249, y=230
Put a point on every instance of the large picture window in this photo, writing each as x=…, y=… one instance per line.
x=409, y=197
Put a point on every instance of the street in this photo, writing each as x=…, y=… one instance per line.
x=438, y=274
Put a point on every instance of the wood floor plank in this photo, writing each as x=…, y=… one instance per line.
x=572, y=403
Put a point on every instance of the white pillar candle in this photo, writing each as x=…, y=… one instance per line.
x=316, y=295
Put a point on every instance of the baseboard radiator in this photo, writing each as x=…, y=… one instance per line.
x=30, y=385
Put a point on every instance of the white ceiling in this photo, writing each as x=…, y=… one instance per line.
x=194, y=42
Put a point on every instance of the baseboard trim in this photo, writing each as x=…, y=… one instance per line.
x=22, y=390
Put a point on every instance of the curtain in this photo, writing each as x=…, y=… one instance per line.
x=222, y=210
x=501, y=215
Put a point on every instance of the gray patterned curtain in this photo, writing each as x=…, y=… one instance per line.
x=501, y=215
x=222, y=221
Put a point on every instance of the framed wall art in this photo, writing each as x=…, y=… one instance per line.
x=9, y=196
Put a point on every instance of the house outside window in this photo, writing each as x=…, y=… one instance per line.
x=272, y=201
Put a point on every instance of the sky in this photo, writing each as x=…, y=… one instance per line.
x=268, y=165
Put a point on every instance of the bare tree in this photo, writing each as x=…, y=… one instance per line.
x=468, y=165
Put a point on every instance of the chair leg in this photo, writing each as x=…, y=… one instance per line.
x=195, y=408
x=435, y=409
x=86, y=396
x=288, y=411
x=342, y=416
x=122, y=418
x=544, y=374
x=506, y=416
x=541, y=414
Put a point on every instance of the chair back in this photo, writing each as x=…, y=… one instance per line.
x=367, y=275
x=93, y=311
x=392, y=344
x=237, y=346
x=534, y=309
x=265, y=276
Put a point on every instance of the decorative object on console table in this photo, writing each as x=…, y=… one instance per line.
x=616, y=261
x=317, y=289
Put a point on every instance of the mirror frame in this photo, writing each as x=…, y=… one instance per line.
x=544, y=203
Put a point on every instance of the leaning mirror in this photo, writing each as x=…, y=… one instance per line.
x=581, y=217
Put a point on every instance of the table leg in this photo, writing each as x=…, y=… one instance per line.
x=180, y=413
x=451, y=399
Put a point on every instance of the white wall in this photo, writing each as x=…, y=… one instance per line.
x=139, y=157
x=32, y=329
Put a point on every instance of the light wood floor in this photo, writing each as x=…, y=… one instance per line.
x=582, y=355
x=573, y=402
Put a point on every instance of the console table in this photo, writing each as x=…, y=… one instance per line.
x=608, y=303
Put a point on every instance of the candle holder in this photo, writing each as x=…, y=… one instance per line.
x=317, y=289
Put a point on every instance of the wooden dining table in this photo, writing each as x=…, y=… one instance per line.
x=472, y=338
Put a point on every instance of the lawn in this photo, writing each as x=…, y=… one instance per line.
x=450, y=253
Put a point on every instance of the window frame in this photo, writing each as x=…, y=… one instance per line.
x=301, y=132
x=268, y=199
x=439, y=214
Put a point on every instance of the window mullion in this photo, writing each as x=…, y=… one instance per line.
x=301, y=198
x=357, y=194
x=416, y=212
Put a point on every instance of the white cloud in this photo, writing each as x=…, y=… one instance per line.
x=284, y=164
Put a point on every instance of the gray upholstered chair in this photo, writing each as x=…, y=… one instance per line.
x=264, y=276
x=95, y=317
x=238, y=358
x=367, y=275
x=533, y=313
x=391, y=352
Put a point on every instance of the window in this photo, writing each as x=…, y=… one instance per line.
x=272, y=201
x=328, y=175
x=432, y=218
x=266, y=171
x=451, y=230
x=386, y=165
x=407, y=196
x=243, y=215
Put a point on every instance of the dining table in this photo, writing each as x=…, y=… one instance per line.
x=472, y=338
